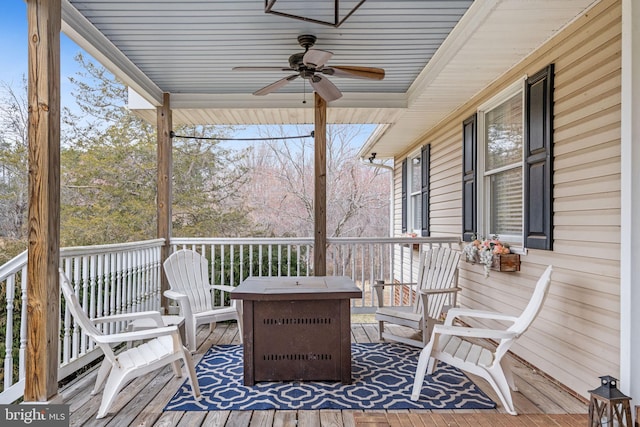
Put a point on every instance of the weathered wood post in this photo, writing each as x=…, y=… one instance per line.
x=320, y=188
x=43, y=282
x=165, y=187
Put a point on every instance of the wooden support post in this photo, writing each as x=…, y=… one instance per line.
x=43, y=283
x=320, y=188
x=165, y=186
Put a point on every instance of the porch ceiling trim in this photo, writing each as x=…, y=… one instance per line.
x=473, y=57
x=89, y=38
x=438, y=55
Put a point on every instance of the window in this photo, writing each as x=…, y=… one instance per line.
x=507, y=165
x=415, y=198
x=415, y=192
x=501, y=134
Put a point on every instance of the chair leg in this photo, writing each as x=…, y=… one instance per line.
x=380, y=330
x=111, y=389
x=496, y=377
x=240, y=333
x=432, y=365
x=191, y=372
x=421, y=370
x=190, y=332
x=177, y=369
x=240, y=320
x=427, y=328
x=508, y=373
x=103, y=373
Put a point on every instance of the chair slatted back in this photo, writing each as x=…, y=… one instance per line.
x=535, y=303
x=188, y=273
x=81, y=317
x=529, y=314
x=438, y=270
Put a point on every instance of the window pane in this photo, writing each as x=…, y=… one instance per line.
x=506, y=202
x=417, y=211
x=416, y=177
x=504, y=134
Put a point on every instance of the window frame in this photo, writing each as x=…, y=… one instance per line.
x=483, y=187
x=423, y=194
x=411, y=194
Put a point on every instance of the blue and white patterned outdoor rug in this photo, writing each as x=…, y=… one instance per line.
x=382, y=379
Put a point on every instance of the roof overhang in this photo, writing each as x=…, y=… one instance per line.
x=470, y=45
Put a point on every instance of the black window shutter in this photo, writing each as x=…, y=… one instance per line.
x=404, y=196
x=469, y=194
x=538, y=167
x=425, y=170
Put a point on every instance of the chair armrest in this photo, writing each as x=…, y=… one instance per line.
x=426, y=294
x=462, y=331
x=382, y=285
x=136, y=335
x=224, y=288
x=480, y=314
x=183, y=301
x=155, y=315
x=379, y=288
x=440, y=291
x=175, y=295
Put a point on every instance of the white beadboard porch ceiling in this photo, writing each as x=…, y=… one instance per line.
x=436, y=53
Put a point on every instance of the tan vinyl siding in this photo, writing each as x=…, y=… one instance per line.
x=576, y=337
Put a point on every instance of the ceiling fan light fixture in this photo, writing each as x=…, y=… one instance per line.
x=337, y=21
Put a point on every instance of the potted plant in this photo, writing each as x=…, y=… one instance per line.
x=492, y=254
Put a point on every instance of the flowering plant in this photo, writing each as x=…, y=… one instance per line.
x=482, y=251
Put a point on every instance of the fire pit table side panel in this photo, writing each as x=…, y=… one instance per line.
x=297, y=329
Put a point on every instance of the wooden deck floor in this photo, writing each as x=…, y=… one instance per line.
x=141, y=402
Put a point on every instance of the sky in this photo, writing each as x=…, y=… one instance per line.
x=13, y=50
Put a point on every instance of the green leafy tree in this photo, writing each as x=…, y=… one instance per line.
x=109, y=172
x=207, y=178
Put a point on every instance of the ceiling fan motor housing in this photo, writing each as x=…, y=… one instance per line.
x=295, y=61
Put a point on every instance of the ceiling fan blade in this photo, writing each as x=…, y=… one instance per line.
x=261, y=69
x=275, y=85
x=316, y=58
x=327, y=90
x=354, y=72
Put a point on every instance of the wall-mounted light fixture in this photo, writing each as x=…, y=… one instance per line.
x=316, y=8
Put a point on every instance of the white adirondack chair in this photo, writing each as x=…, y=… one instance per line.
x=188, y=275
x=449, y=344
x=163, y=346
x=436, y=288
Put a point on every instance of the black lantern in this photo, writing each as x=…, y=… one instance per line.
x=320, y=8
x=608, y=406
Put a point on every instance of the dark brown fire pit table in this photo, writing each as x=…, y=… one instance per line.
x=296, y=328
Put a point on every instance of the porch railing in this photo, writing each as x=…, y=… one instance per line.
x=121, y=278
x=364, y=260
x=110, y=279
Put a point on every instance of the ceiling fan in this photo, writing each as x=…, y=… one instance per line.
x=310, y=65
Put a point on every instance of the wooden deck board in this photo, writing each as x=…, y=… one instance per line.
x=141, y=402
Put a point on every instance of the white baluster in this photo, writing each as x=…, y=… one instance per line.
x=8, y=358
